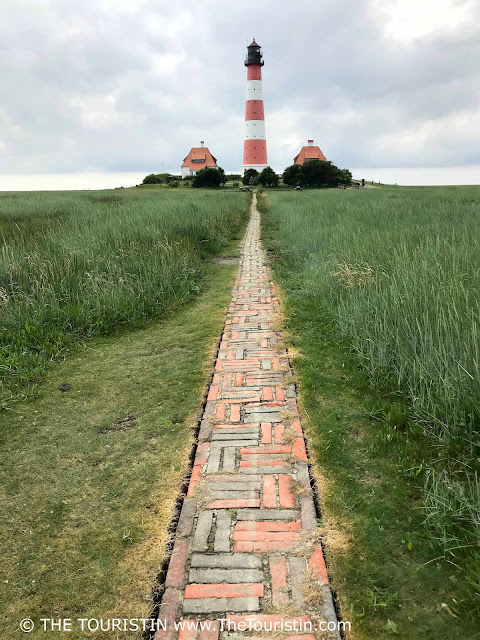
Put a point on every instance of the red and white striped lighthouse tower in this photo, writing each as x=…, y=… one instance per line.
x=255, y=144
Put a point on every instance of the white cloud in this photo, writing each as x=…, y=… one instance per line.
x=430, y=140
x=410, y=20
x=117, y=85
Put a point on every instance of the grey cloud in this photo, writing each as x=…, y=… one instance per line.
x=132, y=86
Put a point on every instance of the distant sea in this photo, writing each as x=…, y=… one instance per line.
x=96, y=180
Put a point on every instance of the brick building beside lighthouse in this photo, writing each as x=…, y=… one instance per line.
x=310, y=152
x=255, y=143
x=198, y=158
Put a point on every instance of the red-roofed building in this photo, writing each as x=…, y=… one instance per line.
x=198, y=158
x=310, y=152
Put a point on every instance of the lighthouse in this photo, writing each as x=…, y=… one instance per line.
x=255, y=143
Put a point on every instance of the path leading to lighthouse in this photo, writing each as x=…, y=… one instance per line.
x=247, y=554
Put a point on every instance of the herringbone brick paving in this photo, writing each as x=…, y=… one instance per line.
x=246, y=544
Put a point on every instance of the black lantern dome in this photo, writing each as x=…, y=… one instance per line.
x=254, y=54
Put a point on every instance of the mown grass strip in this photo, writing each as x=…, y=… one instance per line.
x=90, y=475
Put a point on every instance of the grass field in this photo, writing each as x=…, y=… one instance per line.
x=382, y=301
x=75, y=265
x=90, y=476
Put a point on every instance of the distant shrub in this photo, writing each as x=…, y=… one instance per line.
x=316, y=173
x=156, y=178
x=249, y=173
x=268, y=178
x=209, y=177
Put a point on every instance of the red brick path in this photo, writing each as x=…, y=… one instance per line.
x=245, y=541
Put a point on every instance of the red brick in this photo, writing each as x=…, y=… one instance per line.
x=212, y=633
x=317, y=562
x=269, y=492
x=284, y=491
x=279, y=430
x=278, y=573
x=279, y=394
x=234, y=414
x=265, y=525
x=266, y=433
x=296, y=426
x=227, y=380
x=194, y=479
x=252, y=405
x=251, y=503
x=176, y=568
x=213, y=393
x=218, y=365
x=264, y=536
x=220, y=411
x=264, y=618
x=246, y=546
x=169, y=609
x=239, y=379
x=267, y=393
x=299, y=449
x=264, y=343
x=240, y=590
x=274, y=449
x=188, y=631
x=201, y=453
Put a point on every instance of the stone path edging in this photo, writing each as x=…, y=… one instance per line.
x=246, y=545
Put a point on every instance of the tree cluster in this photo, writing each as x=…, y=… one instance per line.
x=267, y=177
x=316, y=173
x=209, y=177
x=156, y=178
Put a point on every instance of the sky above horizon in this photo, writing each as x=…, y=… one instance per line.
x=109, y=87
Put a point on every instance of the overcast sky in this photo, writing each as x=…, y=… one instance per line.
x=130, y=86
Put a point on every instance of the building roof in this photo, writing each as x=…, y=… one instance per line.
x=199, y=158
x=309, y=153
x=254, y=44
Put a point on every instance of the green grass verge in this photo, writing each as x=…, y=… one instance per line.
x=79, y=264
x=389, y=573
x=89, y=476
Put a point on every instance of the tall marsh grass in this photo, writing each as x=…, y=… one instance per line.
x=399, y=271
x=74, y=265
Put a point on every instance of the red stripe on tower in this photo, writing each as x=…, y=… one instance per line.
x=255, y=143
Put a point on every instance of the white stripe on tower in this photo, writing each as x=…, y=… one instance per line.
x=255, y=144
x=255, y=129
x=254, y=90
